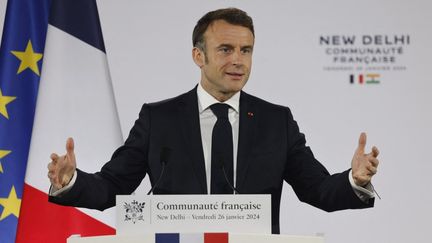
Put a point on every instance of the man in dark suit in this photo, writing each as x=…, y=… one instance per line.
x=264, y=142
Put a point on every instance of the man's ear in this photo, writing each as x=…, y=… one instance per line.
x=198, y=56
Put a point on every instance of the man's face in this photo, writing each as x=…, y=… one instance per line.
x=226, y=63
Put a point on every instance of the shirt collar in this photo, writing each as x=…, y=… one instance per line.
x=205, y=100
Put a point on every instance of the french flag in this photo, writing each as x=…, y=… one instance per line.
x=191, y=238
x=76, y=100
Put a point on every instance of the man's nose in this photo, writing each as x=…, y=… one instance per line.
x=236, y=58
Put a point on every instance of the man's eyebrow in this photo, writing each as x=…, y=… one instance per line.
x=232, y=47
x=226, y=45
x=247, y=47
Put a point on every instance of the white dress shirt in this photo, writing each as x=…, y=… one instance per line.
x=207, y=122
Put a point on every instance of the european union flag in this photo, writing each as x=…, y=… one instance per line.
x=21, y=54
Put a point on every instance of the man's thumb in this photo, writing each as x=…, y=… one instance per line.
x=362, y=143
x=70, y=146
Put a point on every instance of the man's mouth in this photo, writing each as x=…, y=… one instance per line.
x=235, y=74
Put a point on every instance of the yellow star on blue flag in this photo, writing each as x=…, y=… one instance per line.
x=4, y=100
x=28, y=58
x=3, y=154
x=11, y=204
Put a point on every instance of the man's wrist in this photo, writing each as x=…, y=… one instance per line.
x=363, y=192
x=58, y=192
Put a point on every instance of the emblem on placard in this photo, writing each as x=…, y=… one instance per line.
x=134, y=211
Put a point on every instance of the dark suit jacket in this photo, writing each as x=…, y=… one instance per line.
x=270, y=150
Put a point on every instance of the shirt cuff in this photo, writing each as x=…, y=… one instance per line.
x=59, y=192
x=364, y=193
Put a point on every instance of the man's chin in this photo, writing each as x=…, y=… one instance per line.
x=232, y=90
x=235, y=85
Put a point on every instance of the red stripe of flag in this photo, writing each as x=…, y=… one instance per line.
x=215, y=237
x=41, y=221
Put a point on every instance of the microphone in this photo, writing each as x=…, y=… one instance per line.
x=165, y=155
x=222, y=164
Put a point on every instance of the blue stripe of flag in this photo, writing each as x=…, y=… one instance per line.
x=69, y=16
x=167, y=238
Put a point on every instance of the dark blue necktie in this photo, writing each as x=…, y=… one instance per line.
x=221, y=152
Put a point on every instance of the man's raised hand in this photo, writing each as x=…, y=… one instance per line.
x=364, y=166
x=62, y=168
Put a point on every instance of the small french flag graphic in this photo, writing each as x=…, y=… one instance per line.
x=191, y=238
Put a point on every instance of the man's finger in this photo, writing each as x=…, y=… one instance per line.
x=54, y=157
x=362, y=143
x=372, y=170
x=374, y=161
x=50, y=167
x=375, y=151
x=52, y=177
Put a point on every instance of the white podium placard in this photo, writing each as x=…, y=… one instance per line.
x=193, y=213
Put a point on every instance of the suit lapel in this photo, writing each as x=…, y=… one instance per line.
x=247, y=130
x=190, y=125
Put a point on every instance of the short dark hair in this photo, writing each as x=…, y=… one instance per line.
x=233, y=16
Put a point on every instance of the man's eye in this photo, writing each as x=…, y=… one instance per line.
x=246, y=51
x=225, y=50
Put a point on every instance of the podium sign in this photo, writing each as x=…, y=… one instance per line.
x=193, y=213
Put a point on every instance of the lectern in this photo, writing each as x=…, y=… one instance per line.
x=148, y=219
